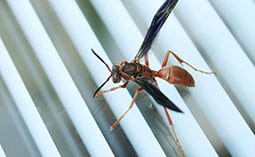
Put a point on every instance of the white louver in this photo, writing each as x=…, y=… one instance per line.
x=48, y=76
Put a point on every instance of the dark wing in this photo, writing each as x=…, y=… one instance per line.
x=156, y=24
x=158, y=96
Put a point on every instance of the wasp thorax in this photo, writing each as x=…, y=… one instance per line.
x=115, y=73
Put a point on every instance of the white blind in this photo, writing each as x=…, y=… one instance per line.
x=48, y=76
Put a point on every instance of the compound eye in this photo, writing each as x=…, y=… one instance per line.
x=115, y=74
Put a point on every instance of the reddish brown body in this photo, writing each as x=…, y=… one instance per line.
x=131, y=71
x=172, y=74
x=176, y=75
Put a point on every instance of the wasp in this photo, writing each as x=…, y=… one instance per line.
x=144, y=76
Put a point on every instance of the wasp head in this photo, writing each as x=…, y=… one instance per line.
x=116, y=73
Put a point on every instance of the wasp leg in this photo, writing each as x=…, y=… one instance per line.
x=181, y=61
x=174, y=133
x=112, y=89
x=130, y=106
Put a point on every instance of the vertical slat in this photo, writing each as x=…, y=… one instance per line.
x=2, y=154
x=239, y=17
x=223, y=52
x=25, y=104
x=228, y=59
x=51, y=109
x=60, y=79
x=84, y=39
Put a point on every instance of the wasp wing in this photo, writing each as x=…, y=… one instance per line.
x=155, y=92
x=156, y=24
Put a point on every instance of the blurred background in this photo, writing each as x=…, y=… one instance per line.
x=48, y=76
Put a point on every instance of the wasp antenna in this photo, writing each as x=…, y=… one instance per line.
x=107, y=66
x=102, y=85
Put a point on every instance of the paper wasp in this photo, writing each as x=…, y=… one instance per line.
x=144, y=76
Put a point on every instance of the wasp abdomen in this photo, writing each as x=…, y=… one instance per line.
x=176, y=75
